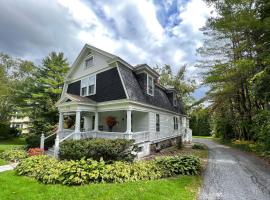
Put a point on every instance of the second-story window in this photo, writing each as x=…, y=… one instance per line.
x=92, y=85
x=88, y=86
x=89, y=62
x=175, y=123
x=150, y=85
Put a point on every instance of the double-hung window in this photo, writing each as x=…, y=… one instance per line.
x=92, y=85
x=84, y=85
x=157, y=123
x=150, y=85
x=175, y=123
x=88, y=86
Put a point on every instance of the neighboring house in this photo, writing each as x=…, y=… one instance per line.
x=101, y=85
x=21, y=123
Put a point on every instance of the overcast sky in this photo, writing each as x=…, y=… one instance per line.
x=139, y=31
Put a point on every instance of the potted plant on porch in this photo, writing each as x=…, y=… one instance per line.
x=111, y=122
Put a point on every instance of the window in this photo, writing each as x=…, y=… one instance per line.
x=174, y=99
x=88, y=86
x=89, y=62
x=175, y=123
x=157, y=123
x=150, y=85
x=92, y=85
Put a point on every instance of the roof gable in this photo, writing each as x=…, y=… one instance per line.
x=83, y=53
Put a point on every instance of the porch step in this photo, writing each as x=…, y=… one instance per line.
x=50, y=151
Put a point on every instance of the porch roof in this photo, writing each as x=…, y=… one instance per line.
x=75, y=98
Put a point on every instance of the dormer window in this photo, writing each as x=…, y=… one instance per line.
x=88, y=86
x=174, y=100
x=150, y=85
x=89, y=62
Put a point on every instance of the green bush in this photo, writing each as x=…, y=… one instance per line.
x=198, y=146
x=109, y=150
x=14, y=155
x=50, y=171
x=120, y=172
x=33, y=141
x=176, y=165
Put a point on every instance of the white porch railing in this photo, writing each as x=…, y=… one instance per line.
x=137, y=136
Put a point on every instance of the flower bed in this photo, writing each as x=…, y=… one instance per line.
x=51, y=171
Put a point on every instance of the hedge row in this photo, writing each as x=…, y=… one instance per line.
x=51, y=171
x=109, y=150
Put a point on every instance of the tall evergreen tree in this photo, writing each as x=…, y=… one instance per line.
x=46, y=91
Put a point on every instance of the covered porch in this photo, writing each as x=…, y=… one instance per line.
x=125, y=124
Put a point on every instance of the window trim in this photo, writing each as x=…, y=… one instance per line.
x=153, y=85
x=87, y=86
x=87, y=58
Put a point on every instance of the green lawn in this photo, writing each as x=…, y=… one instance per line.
x=20, y=188
x=11, y=143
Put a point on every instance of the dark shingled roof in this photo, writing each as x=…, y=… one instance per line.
x=136, y=86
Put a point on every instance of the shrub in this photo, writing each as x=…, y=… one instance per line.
x=81, y=171
x=13, y=155
x=198, y=146
x=43, y=168
x=176, y=165
x=85, y=171
x=109, y=150
x=35, y=152
x=120, y=172
x=33, y=141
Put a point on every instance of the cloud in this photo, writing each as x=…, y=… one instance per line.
x=145, y=31
x=31, y=30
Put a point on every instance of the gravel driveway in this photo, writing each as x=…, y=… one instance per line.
x=234, y=175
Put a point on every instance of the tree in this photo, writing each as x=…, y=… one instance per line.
x=235, y=58
x=14, y=76
x=200, y=121
x=46, y=91
x=183, y=86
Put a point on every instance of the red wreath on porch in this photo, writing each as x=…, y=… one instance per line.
x=111, y=122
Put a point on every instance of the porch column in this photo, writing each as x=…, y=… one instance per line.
x=128, y=121
x=61, y=122
x=77, y=135
x=96, y=121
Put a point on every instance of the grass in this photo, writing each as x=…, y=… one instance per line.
x=11, y=143
x=247, y=146
x=14, y=187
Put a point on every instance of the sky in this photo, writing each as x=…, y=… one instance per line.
x=155, y=32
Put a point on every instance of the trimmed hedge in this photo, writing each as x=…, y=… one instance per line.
x=51, y=171
x=108, y=150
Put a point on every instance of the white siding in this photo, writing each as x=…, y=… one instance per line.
x=100, y=62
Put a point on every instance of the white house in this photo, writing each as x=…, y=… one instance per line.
x=101, y=85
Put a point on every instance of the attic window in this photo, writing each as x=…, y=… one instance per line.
x=174, y=99
x=89, y=62
x=150, y=85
